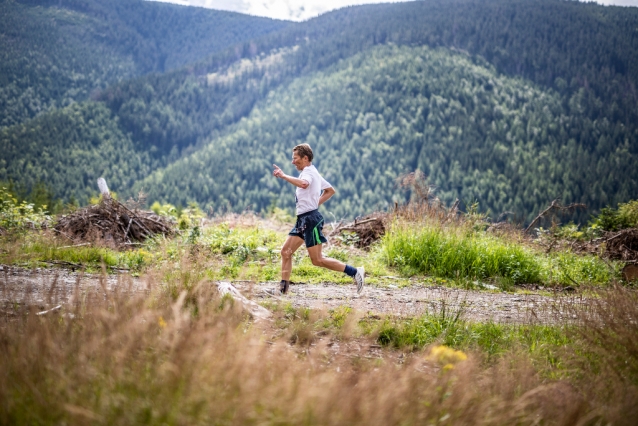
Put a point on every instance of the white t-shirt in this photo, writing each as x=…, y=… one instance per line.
x=308, y=199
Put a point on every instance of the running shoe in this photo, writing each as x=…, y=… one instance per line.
x=283, y=287
x=359, y=278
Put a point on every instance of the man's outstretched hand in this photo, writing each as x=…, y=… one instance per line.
x=300, y=183
x=278, y=172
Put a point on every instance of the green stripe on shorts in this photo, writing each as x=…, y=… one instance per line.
x=316, y=233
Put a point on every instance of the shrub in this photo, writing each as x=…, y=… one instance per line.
x=186, y=217
x=628, y=213
x=18, y=216
x=623, y=217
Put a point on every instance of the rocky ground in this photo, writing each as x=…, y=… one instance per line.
x=518, y=307
x=48, y=288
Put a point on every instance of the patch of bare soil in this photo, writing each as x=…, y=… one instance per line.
x=48, y=288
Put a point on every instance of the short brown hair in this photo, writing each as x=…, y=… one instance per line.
x=303, y=150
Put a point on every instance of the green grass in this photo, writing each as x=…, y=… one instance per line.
x=543, y=342
x=241, y=242
x=222, y=252
x=456, y=252
x=36, y=249
x=459, y=252
x=253, y=253
x=569, y=269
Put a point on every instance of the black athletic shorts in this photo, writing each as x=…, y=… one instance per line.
x=309, y=226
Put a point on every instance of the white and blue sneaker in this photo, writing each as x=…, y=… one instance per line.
x=359, y=278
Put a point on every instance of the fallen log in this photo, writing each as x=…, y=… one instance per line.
x=257, y=311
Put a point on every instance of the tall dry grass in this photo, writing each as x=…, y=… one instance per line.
x=115, y=358
x=605, y=358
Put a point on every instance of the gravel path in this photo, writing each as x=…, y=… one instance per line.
x=419, y=299
x=47, y=288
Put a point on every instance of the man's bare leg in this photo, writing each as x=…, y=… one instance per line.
x=289, y=248
x=317, y=258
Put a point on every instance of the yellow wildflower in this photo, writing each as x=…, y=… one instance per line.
x=161, y=322
x=446, y=356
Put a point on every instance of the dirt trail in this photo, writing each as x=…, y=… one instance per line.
x=47, y=288
x=420, y=299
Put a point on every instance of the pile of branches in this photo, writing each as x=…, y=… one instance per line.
x=367, y=230
x=620, y=245
x=112, y=223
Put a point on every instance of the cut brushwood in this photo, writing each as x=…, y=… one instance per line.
x=113, y=223
x=368, y=229
x=619, y=245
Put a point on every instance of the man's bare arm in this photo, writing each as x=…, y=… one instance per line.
x=327, y=193
x=300, y=183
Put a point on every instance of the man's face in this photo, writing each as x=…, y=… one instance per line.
x=299, y=162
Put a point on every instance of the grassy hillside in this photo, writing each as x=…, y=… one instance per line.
x=53, y=53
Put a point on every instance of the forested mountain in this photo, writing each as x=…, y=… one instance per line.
x=88, y=144
x=510, y=103
x=568, y=46
x=55, y=52
x=390, y=110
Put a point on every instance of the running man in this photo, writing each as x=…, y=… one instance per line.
x=312, y=191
